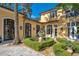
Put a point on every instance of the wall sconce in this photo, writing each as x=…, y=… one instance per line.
x=20, y=27
x=33, y=28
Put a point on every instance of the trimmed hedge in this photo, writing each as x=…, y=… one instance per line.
x=38, y=46
x=75, y=46
x=59, y=50
x=65, y=42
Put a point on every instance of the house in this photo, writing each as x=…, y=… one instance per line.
x=54, y=23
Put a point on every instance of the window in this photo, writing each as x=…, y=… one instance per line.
x=8, y=29
x=72, y=30
x=37, y=29
x=73, y=24
x=70, y=13
x=53, y=14
x=49, y=29
x=77, y=30
x=55, y=29
x=77, y=24
x=28, y=30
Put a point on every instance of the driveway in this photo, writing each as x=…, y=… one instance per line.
x=17, y=50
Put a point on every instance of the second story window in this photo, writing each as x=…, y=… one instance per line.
x=69, y=13
x=53, y=14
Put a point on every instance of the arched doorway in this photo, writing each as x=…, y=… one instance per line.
x=27, y=30
x=8, y=29
x=72, y=30
x=49, y=30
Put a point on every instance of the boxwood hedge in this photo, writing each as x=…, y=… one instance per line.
x=38, y=46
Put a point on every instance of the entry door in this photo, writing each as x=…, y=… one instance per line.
x=27, y=30
x=55, y=31
x=72, y=29
x=8, y=29
x=49, y=30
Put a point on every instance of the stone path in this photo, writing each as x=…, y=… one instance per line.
x=17, y=50
x=48, y=51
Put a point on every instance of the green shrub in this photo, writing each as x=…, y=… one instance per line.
x=75, y=46
x=59, y=50
x=65, y=42
x=47, y=43
x=48, y=38
x=33, y=44
x=36, y=45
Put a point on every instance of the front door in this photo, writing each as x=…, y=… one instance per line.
x=49, y=30
x=72, y=29
x=55, y=30
x=27, y=30
x=8, y=29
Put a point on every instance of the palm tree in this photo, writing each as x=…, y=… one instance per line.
x=26, y=10
x=17, y=39
x=16, y=24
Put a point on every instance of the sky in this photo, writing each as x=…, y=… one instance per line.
x=37, y=8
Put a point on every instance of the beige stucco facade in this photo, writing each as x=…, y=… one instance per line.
x=59, y=24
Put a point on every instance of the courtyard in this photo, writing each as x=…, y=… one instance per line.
x=17, y=50
x=54, y=33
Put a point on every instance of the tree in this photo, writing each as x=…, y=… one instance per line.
x=17, y=39
x=26, y=10
x=16, y=24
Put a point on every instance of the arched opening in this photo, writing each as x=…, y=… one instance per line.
x=27, y=30
x=49, y=30
x=72, y=30
x=9, y=32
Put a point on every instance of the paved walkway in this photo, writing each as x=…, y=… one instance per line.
x=17, y=50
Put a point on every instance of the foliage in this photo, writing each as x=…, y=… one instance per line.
x=59, y=50
x=47, y=43
x=75, y=47
x=65, y=6
x=65, y=42
x=36, y=45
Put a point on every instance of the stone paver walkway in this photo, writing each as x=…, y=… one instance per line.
x=48, y=51
x=17, y=50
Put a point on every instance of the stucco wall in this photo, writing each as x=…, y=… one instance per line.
x=7, y=14
x=33, y=27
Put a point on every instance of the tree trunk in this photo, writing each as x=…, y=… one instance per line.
x=16, y=24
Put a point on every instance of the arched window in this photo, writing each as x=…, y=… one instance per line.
x=9, y=29
x=27, y=30
x=49, y=29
